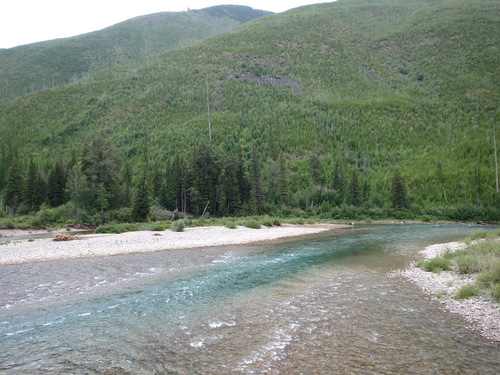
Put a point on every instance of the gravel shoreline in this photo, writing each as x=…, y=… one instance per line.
x=95, y=245
x=481, y=312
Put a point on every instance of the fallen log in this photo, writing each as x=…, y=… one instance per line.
x=63, y=237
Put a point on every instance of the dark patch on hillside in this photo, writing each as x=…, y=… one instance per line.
x=280, y=81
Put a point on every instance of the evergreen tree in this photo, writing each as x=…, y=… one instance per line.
x=241, y=176
x=142, y=200
x=56, y=184
x=204, y=177
x=339, y=184
x=228, y=193
x=126, y=184
x=398, y=191
x=100, y=163
x=283, y=189
x=256, y=192
x=13, y=189
x=354, y=195
x=36, y=186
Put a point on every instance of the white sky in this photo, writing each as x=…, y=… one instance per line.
x=29, y=21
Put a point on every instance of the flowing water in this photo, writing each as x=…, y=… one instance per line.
x=321, y=304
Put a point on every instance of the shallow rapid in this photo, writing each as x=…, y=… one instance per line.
x=320, y=304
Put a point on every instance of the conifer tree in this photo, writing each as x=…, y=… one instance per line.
x=13, y=188
x=354, y=196
x=142, y=200
x=339, y=184
x=256, y=192
x=56, y=184
x=283, y=189
x=398, y=191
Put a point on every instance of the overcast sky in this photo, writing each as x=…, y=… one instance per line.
x=29, y=21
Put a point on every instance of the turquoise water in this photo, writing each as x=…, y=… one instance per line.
x=317, y=305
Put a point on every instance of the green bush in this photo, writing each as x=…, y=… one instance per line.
x=177, y=226
x=161, y=225
x=231, y=225
x=108, y=228
x=491, y=276
x=495, y=292
x=437, y=265
x=252, y=223
x=267, y=221
x=116, y=228
x=467, y=291
x=467, y=264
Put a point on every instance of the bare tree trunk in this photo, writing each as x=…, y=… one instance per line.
x=496, y=158
x=208, y=110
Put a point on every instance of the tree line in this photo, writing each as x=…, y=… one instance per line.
x=99, y=185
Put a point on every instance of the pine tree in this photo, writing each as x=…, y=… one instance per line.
x=339, y=184
x=14, y=186
x=354, y=196
x=398, y=191
x=56, y=184
x=283, y=189
x=142, y=201
x=256, y=192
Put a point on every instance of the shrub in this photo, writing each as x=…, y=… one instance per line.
x=108, y=228
x=230, y=225
x=437, y=265
x=267, y=221
x=161, y=225
x=495, y=292
x=492, y=276
x=252, y=223
x=467, y=264
x=276, y=221
x=116, y=228
x=467, y=291
x=177, y=226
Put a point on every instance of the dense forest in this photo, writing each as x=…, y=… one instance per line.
x=351, y=110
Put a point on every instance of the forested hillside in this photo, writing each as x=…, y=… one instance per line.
x=38, y=66
x=351, y=110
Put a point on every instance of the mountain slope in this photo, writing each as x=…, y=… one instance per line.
x=370, y=85
x=42, y=65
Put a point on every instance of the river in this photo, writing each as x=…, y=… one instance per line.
x=319, y=304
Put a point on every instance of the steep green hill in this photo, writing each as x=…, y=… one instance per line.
x=43, y=65
x=339, y=94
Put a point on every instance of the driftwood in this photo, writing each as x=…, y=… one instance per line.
x=63, y=237
x=175, y=215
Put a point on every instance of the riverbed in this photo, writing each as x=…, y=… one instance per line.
x=321, y=304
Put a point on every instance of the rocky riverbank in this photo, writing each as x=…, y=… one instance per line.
x=481, y=312
x=94, y=245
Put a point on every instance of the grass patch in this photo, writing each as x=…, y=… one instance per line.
x=435, y=265
x=116, y=228
x=495, y=292
x=178, y=226
x=231, y=225
x=467, y=291
x=252, y=223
